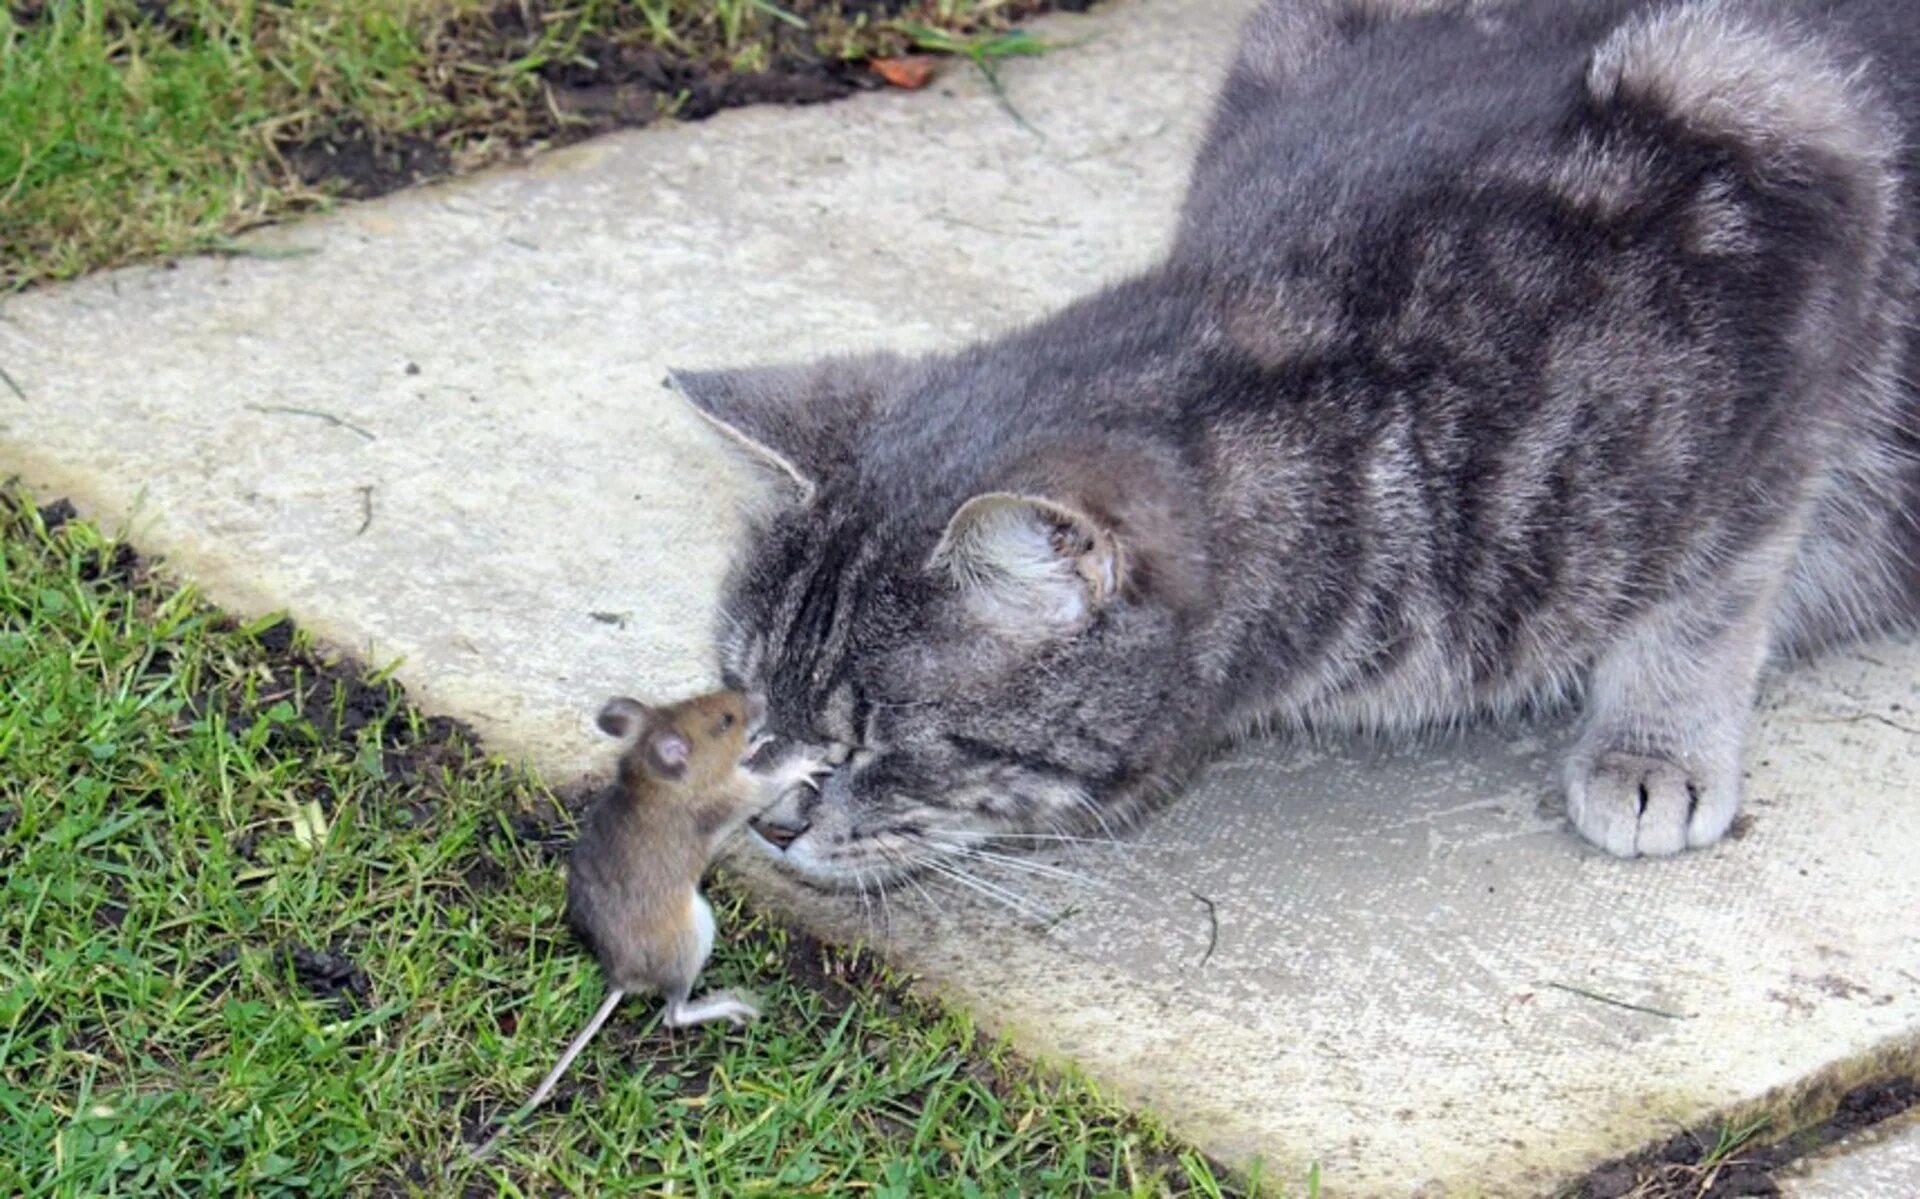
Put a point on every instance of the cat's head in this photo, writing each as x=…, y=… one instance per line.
x=960, y=632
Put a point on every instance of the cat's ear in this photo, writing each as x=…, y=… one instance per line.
x=725, y=400
x=1028, y=566
x=801, y=423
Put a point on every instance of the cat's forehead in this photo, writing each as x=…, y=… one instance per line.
x=803, y=591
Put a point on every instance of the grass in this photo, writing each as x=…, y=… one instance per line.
x=185, y=803
x=134, y=128
x=985, y=51
x=268, y=930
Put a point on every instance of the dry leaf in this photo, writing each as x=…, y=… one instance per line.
x=911, y=71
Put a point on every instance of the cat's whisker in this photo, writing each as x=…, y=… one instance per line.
x=952, y=875
x=866, y=904
x=985, y=889
x=1086, y=802
x=1074, y=844
x=1134, y=865
x=945, y=868
x=1023, y=862
x=909, y=867
x=886, y=913
x=913, y=880
x=1074, y=841
x=1028, y=866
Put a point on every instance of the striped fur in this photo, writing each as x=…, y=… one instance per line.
x=1508, y=353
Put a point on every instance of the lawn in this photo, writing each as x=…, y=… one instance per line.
x=270, y=931
x=133, y=128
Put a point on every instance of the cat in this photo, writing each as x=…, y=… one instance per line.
x=1506, y=354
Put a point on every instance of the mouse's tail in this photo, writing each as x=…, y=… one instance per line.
x=540, y=1093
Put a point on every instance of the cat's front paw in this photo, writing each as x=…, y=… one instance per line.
x=1639, y=805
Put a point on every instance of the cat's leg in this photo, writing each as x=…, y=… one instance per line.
x=1657, y=768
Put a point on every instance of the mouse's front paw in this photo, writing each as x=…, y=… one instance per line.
x=796, y=770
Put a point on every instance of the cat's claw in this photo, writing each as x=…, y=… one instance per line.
x=1637, y=805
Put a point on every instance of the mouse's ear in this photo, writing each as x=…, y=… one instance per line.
x=623, y=717
x=667, y=751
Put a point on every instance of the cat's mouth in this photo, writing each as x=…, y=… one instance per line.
x=857, y=864
x=829, y=827
x=808, y=835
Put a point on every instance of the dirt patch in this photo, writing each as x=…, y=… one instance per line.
x=1688, y=1166
x=617, y=76
x=358, y=163
x=634, y=81
x=58, y=513
x=405, y=1181
x=311, y=699
x=843, y=978
x=213, y=963
x=329, y=974
x=542, y=834
x=306, y=699
x=485, y=875
x=117, y=565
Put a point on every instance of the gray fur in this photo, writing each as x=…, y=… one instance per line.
x=1507, y=353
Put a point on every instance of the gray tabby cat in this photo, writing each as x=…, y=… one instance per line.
x=1509, y=352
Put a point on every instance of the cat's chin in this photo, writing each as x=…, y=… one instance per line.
x=830, y=884
x=831, y=879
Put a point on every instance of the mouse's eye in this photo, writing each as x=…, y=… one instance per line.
x=726, y=721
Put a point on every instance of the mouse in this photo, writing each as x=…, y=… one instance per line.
x=633, y=875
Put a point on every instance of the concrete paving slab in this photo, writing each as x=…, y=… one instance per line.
x=442, y=436
x=1881, y=1163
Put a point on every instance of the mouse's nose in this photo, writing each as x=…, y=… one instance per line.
x=776, y=833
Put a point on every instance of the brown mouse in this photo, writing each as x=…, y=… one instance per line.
x=633, y=877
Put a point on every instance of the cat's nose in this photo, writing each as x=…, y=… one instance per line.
x=777, y=833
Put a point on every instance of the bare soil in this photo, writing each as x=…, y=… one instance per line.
x=613, y=81
x=1681, y=1166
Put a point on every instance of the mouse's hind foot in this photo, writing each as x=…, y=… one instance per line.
x=719, y=1005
